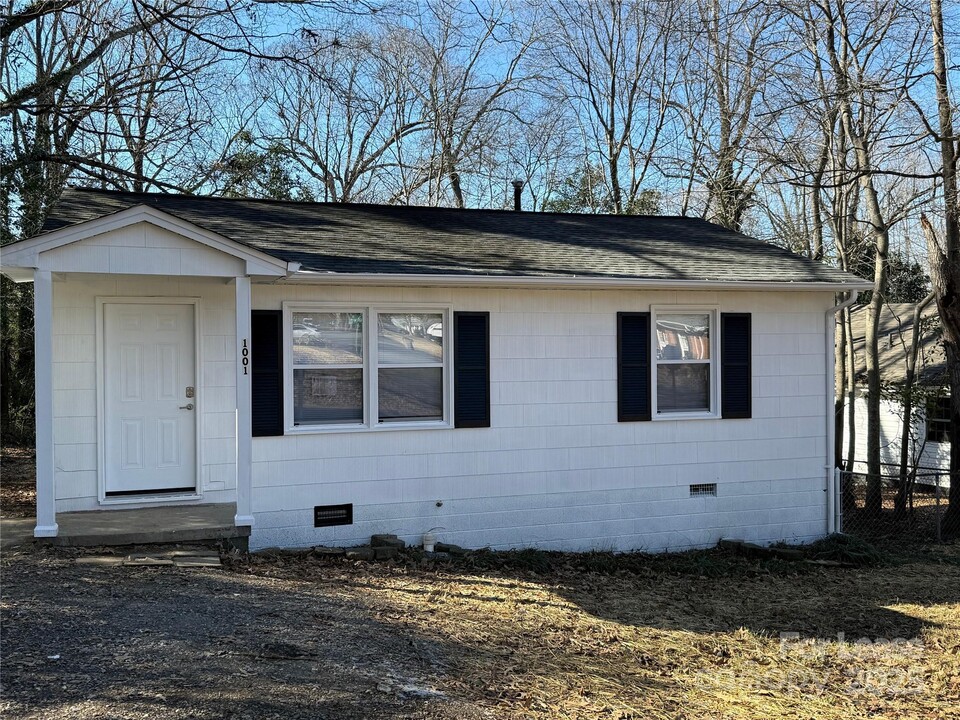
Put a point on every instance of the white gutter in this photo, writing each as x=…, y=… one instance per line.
x=589, y=282
x=830, y=337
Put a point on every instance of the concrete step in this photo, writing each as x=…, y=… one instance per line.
x=147, y=526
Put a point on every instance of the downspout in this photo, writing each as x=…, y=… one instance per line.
x=830, y=338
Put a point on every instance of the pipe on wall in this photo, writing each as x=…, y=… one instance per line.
x=830, y=335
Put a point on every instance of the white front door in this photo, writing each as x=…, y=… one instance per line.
x=149, y=377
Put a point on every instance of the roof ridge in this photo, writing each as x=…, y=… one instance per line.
x=314, y=203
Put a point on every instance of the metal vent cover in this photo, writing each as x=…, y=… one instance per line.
x=326, y=515
x=703, y=490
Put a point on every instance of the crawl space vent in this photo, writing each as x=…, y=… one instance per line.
x=324, y=515
x=703, y=490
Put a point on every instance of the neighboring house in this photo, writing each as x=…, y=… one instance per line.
x=929, y=446
x=515, y=379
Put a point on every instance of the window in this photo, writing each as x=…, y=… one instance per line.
x=365, y=367
x=685, y=372
x=670, y=361
x=938, y=419
x=410, y=366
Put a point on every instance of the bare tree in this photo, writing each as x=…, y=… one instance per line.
x=108, y=93
x=867, y=78
x=162, y=91
x=737, y=46
x=340, y=114
x=467, y=71
x=615, y=64
x=907, y=397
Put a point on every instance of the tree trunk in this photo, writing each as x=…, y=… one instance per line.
x=881, y=238
x=457, y=189
x=945, y=277
x=945, y=262
x=874, y=500
x=907, y=470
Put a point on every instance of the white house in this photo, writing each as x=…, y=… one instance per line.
x=928, y=437
x=514, y=379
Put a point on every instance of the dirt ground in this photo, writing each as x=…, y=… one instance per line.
x=17, y=485
x=489, y=635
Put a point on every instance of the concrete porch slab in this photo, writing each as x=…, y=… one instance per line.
x=143, y=526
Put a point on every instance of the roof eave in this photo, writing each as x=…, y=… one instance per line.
x=312, y=277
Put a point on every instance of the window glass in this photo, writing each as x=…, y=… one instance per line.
x=683, y=387
x=410, y=394
x=327, y=397
x=327, y=338
x=938, y=420
x=409, y=339
x=401, y=377
x=683, y=336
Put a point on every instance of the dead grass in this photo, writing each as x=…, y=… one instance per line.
x=667, y=637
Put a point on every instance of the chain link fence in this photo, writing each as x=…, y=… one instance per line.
x=890, y=506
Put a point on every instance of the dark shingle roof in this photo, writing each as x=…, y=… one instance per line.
x=896, y=335
x=330, y=237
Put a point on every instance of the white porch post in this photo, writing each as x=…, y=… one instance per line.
x=43, y=392
x=244, y=515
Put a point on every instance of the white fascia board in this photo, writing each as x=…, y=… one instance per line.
x=17, y=274
x=596, y=283
x=25, y=253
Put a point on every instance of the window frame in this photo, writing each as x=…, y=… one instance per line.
x=932, y=419
x=370, y=367
x=713, y=314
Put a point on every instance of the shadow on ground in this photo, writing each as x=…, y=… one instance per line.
x=299, y=635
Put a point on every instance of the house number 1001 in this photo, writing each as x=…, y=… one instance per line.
x=245, y=357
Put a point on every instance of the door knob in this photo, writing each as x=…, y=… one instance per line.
x=188, y=406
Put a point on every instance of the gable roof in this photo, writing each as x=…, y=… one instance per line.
x=896, y=334
x=19, y=257
x=399, y=240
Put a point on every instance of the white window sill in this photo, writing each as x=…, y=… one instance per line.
x=687, y=416
x=379, y=427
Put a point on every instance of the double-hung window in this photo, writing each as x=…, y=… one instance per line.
x=685, y=368
x=366, y=367
x=938, y=419
x=669, y=364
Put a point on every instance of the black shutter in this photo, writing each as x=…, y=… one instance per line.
x=266, y=363
x=633, y=366
x=735, y=369
x=471, y=369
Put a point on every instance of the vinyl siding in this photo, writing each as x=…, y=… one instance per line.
x=932, y=457
x=556, y=469
x=75, y=424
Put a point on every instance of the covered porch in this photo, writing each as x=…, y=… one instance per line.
x=143, y=404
